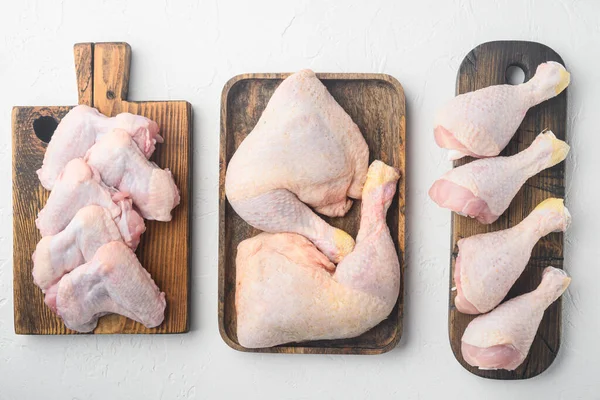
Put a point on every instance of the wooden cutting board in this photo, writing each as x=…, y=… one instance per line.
x=484, y=66
x=376, y=104
x=102, y=82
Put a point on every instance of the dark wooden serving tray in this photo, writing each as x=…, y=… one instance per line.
x=102, y=82
x=484, y=66
x=376, y=104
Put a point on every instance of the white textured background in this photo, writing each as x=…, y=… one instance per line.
x=188, y=50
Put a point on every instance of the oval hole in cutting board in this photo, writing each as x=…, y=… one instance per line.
x=44, y=128
x=515, y=75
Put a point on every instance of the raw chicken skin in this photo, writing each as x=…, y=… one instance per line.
x=79, y=185
x=130, y=223
x=488, y=264
x=483, y=189
x=81, y=128
x=112, y=282
x=502, y=338
x=286, y=291
x=92, y=227
x=481, y=123
x=121, y=164
x=304, y=150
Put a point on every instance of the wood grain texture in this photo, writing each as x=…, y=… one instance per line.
x=484, y=66
x=376, y=104
x=111, y=76
x=165, y=246
x=84, y=64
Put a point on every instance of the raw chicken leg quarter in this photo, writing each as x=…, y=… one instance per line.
x=481, y=123
x=483, y=189
x=488, y=264
x=286, y=290
x=304, y=149
x=81, y=128
x=502, y=338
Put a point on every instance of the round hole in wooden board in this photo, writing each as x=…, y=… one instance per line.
x=44, y=128
x=515, y=75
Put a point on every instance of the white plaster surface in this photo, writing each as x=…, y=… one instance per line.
x=188, y=50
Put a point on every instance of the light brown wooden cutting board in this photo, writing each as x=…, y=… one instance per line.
x=376, y=104
x=484, y=66
x=102, y=82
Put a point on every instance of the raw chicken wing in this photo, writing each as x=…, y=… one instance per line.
x=92, y=227
x=112, y=282
x=304, y=150
x=121, y=164
x=488, y=264
x=481, y=123
x=483, y=189
x=79, y=185
x=502, y=338
x=81, y=128
x=286, y=289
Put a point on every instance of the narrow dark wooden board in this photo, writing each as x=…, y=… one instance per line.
x=165, y=246
x=484, y=66
x=376, y=104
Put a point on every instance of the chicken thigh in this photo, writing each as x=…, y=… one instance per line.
x=502, y=338
x=285, y=289
x=92, y=227
x=481, y=123
x=483, y=189
x=121, y=164
x=304, y=150
x=81, y=128
x=488, y=264
x=112, y=282
x=77, y=186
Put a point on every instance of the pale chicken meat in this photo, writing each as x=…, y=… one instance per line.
x=122, y=164
x=81, y=128
x=305, y=151
x=286, y=290
x=92, y=227
x=483, y=189
x=488, y=264
x=502, y=338
x=77, y=186
x=114, y=281
x=481, y=123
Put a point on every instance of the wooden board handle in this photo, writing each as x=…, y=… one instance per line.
x=102, y=75
x=84, y=71
x=111, y=76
